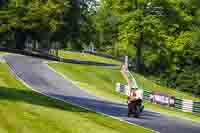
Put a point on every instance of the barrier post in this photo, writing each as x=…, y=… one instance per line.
x=178, y=103
x=196, y=107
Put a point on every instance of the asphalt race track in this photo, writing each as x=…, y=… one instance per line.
x=38, y=75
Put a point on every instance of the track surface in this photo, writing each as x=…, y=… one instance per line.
x=37, y=74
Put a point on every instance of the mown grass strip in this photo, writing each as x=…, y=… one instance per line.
x=101, y=82
x=24, y=111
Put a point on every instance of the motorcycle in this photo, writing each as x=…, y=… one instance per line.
x=135, y=108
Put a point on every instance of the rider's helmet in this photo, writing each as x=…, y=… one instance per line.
x=133, y=91
x=134, y=88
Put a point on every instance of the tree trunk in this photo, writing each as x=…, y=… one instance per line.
x=20, y=38
x=139, y=56
x=75, y=18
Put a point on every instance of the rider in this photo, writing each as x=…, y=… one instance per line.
x=135, y=97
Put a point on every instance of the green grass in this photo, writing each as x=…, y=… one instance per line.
x=2, y=53
x=24, y=111
x=172, y=112
x=101, y=82
x=142, y=81
x=151, y=86
x=86, y=57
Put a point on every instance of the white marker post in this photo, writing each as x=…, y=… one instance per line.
x=127, y=88
x=126, y=62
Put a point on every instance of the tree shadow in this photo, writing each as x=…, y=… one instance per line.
x=31, y=97
x=106, y=107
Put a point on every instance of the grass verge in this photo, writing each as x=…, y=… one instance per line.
x=101, y=82
x=2, y=53
x=152, y=86
x=24, y=111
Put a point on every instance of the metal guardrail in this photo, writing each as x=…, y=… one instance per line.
x=105, y=56
x=30, y=53
x=180, y=104
x=45, y=55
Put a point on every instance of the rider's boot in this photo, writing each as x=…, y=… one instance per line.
x=142, y=108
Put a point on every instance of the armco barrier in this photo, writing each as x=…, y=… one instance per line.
x=30, y=53
x=147, y=95
x=196, y=107
x=104, y=55
x=41, y=54
x=180, y=104
x=187, y=105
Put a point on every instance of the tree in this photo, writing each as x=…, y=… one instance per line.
x=24, y=17
x=106, y=28
x=137, y=26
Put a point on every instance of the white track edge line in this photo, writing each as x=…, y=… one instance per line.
x=53, y=97
x=75, y=84
x=66, y=78
x=46, y=62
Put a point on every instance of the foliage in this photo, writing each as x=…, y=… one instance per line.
x=162, y=34
x=38, y=19
x=161, y=37
x=35, y=16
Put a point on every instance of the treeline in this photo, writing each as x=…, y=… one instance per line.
x=43, y=21
x=161, y=37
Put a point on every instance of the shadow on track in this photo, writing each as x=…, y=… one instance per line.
x=109, y=108
x=16, y=95
x=30, y=97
